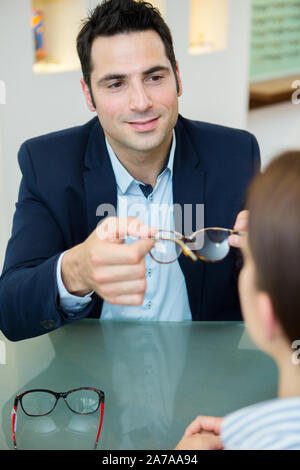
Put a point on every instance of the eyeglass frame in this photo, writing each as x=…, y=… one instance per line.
x=182, y=241
x=58, y=395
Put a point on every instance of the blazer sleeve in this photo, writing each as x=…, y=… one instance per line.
x=29, y=300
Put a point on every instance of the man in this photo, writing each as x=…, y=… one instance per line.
x=61, y=265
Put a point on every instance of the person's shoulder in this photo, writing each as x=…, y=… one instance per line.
x=263, y=426
x=58, y=149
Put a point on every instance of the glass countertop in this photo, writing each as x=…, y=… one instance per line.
x=156, y=376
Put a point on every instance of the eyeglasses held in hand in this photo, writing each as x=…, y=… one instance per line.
x=208, y=244
x=41, y=402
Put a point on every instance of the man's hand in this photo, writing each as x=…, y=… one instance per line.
x=202, y=434
x=105, y=264
x=241, y=225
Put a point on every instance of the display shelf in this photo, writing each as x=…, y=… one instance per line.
x=61, y=21
x=271, y=91
x=275, y=50
x=208, y=26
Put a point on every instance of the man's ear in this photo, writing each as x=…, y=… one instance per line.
x=270, y=327
x=179, y=91
x=87, y=95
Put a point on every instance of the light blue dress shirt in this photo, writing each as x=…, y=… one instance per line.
x=166, y=297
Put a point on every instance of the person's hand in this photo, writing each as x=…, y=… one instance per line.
x=208, y=424
x=203, y=441
x=241, y=225
x=202, y=433
x=103, y=263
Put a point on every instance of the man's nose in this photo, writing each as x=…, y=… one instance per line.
x=139, y=99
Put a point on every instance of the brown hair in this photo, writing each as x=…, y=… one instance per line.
x=274, y=237
x=121, y=16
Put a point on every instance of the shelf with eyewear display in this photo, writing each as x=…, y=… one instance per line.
x=272, y=91
x=275, y=49
x=55, y=25
x=208, y=26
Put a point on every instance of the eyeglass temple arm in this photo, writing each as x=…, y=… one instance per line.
x=14, y=422
x=100, y=425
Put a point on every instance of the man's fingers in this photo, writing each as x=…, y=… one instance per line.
x=127, y=299
x=235, y=241
x=116, y=289
x=117, y=229
x=115, y=273
x=241, y=223
x=122, y=254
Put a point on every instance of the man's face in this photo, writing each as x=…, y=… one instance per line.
x=134, y=89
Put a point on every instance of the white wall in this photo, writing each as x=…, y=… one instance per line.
x=277, y=128
x=35, y=104
x=4, y=232
x=215, y=86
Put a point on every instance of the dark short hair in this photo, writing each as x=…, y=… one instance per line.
x=274, y=237
x=121, y=16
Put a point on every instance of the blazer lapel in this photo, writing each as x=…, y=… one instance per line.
x=99, y=180
x=188, y=193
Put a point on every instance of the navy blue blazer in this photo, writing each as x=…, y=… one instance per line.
x=66, y=175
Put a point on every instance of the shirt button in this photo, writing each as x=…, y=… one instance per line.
x=149, y=305
x=149, y=272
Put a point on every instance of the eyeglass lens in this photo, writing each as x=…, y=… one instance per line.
x=215, y=245
x=165, y=250
x=83, y=401
x=38, y=403
x=210, y=244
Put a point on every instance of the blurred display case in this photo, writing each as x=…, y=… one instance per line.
x=275, y=50
x=208, y=26
x=55, y=25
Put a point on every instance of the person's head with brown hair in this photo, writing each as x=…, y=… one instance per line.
x=270, y=279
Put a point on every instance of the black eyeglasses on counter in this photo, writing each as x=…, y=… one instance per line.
x=41, y=402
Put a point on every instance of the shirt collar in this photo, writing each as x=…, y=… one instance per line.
x=123, y=177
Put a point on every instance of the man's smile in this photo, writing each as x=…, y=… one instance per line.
x=147, y=125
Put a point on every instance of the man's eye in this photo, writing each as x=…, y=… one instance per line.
x=155, y=78
x=115, y=85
